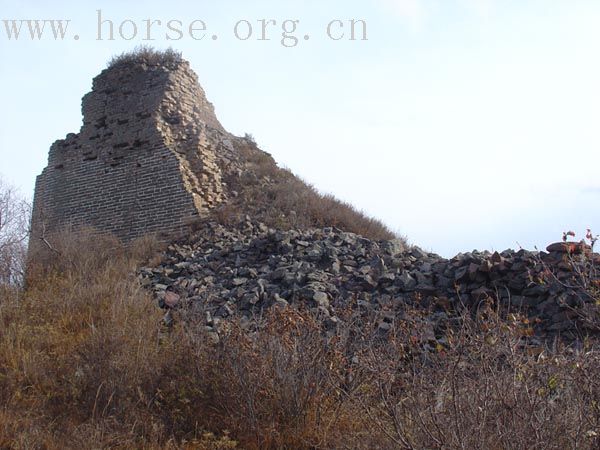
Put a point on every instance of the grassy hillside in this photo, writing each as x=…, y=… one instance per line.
x=87, y=362
x=280, y=199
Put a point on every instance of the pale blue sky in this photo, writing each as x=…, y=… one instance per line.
x=460, y=123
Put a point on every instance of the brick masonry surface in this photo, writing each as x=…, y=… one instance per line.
x=144, y=160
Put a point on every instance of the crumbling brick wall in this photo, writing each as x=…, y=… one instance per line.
x=144, y=160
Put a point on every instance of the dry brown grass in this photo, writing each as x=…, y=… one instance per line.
x=85, y=362
x=81, y=351
x=280, y=199
x=148, y=55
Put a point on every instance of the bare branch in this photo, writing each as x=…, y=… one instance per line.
x=14, y=230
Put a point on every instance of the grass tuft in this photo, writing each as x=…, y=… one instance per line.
x=148, y=55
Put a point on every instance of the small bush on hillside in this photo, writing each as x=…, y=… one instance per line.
x=250, y=138
x=144, y=54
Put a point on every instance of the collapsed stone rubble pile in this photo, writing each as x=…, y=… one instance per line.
x=242, y=270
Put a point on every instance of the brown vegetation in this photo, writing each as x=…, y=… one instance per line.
x=86, y=362
x=278, y=198
x=148, y=55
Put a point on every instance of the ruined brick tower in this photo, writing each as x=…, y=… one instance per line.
x=145, y=159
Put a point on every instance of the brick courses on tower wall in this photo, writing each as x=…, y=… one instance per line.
x=144, y=160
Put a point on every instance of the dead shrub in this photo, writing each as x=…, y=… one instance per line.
x=271, y=389
x=14, y=227
x=485, y=389
x=148, y=55
x=82, y=347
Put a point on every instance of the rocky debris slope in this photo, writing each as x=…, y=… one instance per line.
x=241, y=270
